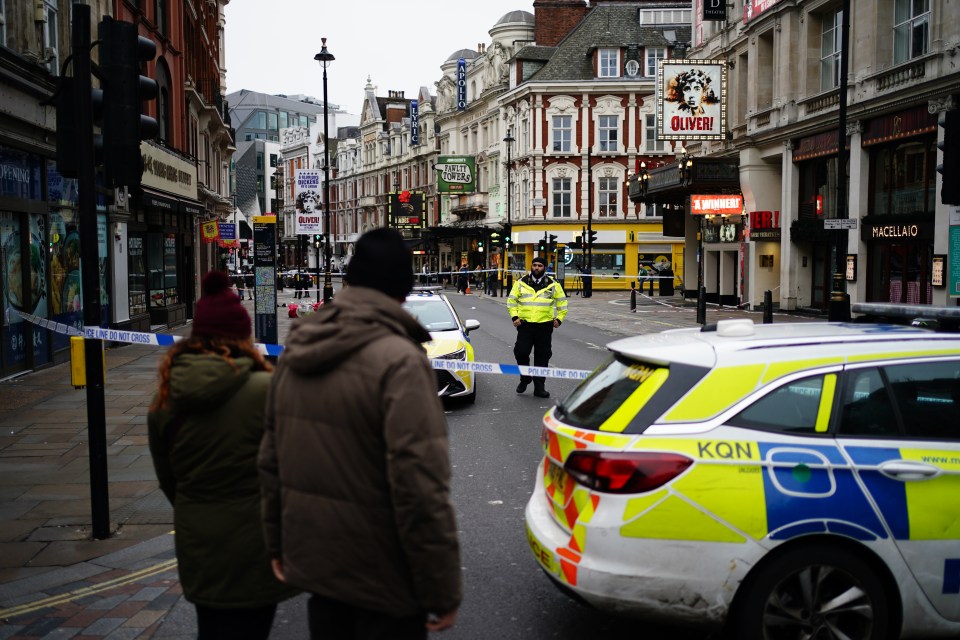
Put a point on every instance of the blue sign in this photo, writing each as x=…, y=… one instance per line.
x=19, y=174
x=228, y=230
x=461, y=84
x=414, y=123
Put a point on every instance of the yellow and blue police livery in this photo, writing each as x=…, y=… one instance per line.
x=783, y=481
x=449, y=340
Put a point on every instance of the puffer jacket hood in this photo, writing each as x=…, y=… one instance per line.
x=318, y=343
x=199, y=382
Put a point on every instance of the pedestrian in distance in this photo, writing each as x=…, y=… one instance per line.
x=356, y=497
x=242, y=286
x=204, y=426
x=463, y=279
x=537, y=305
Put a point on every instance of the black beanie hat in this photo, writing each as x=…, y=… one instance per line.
x=540, y=260
x=382, y=261
x=219, y=312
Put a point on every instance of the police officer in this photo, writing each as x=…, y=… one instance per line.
x=537, y=305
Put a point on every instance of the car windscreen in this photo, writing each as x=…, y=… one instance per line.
x=624, y=395
x=433, y=314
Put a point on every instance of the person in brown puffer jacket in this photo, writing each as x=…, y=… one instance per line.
x=354, y=464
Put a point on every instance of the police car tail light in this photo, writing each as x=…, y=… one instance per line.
x=620, y=472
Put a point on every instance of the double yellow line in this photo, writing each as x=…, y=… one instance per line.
x=52, y=601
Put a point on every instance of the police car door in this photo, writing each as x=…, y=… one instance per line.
x=899, y=423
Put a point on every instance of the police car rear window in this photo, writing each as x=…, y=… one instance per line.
x=626, y=396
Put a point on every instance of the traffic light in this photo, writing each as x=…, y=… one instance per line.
x=507, y=241
x=591, y=237
x=494, y=239
x=480, y=245
x=577, y=242
x=541, y=245
x=122, y=51
x=949, y=169
x=552, y=244
x=318, y=237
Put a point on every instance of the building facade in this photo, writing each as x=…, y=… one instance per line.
x=785, y=70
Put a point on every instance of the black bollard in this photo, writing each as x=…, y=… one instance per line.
x=767, y=307
x=702, y=306
x=633, y=297
x=652, y=278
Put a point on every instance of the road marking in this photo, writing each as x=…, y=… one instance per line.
x=31, y=607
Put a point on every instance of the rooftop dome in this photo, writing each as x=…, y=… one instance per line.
x=516, y=16
x=466, y=54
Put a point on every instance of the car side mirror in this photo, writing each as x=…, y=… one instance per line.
x=470, y=325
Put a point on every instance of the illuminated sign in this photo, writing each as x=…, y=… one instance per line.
x=461, y=84
x=716, y=205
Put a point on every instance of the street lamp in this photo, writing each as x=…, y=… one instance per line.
x=508, y=236
x=325, y=58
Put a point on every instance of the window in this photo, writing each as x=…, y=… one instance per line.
x=911, y=29
x=794, y=408
x=283, y=120
x=608, y=133
x=562, y=198
x=3, y=23
x=272, y=121
x=50, y=38
x=830, y=51
x=929, y=393
x=653, y=145
x=160, y=15
x=260, y=120
x=273, y=160
x=609, y=188
x=653, y=55
x=608, y=63
x=562, y=133
x=259, y=160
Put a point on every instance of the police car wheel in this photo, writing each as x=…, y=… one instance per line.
x=822, y=593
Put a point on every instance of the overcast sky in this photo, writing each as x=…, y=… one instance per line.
x=399, y=45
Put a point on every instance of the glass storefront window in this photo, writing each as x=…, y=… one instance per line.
x=162, y=269
x=903, y=178
x=818, y=188
x=138, y=274
x=65, y=299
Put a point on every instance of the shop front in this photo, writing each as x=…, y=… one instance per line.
x=898, y=231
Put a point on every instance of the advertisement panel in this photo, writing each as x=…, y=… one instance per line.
x=406, y=210
x=456, y=174
x=729, y=205
x=306, y=191
x=753, y=8
x=691, y=100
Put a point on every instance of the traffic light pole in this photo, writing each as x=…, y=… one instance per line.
x=90, y=274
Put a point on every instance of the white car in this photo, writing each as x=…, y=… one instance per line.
x=449, y=340
x=784, y=481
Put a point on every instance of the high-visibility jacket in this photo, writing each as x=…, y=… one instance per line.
x=537, y=303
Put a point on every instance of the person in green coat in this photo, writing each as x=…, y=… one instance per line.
x=205, y=425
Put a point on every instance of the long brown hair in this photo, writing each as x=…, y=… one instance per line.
x=226, y=348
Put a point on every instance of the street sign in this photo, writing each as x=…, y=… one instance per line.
x=840, y=223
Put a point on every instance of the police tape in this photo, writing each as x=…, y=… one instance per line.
x=509, y=369
x=166, y=340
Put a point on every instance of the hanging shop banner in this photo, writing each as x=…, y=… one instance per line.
x=461, y=84
x=406, y=210
x=721, y=205
x=713, y=9
x=228, y=234
x=753, y=8
x=306, y=190
x=456, y=174
x=265, y=278
x=691, y=100
x=414, y=123
x=210, y=230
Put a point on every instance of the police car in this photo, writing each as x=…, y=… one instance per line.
x=449, y=340
x=781, y=481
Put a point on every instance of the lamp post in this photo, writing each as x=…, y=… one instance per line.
x=508, y=236
x=325, y=58
x=685, y=169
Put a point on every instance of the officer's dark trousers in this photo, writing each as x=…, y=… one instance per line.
x=332, y=620
x=536, y=336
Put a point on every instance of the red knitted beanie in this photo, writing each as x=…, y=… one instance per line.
x=219, y=312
